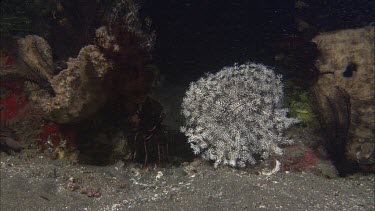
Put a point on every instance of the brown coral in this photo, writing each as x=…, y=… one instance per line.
x=77, y=89
x=72, y=94
x=115, y=69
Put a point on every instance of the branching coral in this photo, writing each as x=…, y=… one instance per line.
x=235, y=115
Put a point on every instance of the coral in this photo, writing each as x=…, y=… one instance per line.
x=116, y=68
x=54, y=136
x=36, y=58
x=34, y=62
x=334, y=117
x=20, y=122
x=14, y=107
x=124, y=18
x=298, y=163
x=127, y=40
x=75, y=92
x=108, y=78
x=71, y=95
x=236, y=115
x=301, y=107
x=148, y=141
x=346, y=96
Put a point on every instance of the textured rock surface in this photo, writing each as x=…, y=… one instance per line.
x=350, y=56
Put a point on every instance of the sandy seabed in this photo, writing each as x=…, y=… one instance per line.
x=34, y=182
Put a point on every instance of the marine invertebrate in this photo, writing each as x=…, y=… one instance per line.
x=114, y=74
x=116, y=68
x=76, y=90
x=334, y=116
x=148, y=140
x=346, y=97
x=236, y=115
x=299, y=159
x=20, y=122
x=301, y=106
x=127, y=41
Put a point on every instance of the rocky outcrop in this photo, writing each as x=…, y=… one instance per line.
x=347, y=63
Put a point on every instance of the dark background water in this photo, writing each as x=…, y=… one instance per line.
x=192, y=36
x=201, y=36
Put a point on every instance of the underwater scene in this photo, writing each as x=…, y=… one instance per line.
x=187, y=105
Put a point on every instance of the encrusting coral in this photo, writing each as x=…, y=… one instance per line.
x=236, y=115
